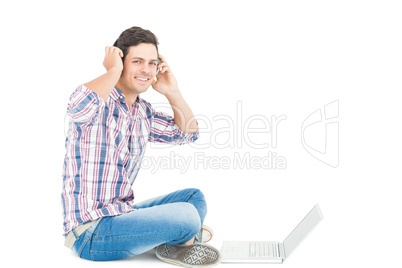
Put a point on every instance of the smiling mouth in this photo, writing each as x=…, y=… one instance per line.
x=141, y=79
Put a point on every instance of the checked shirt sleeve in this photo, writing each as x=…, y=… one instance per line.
x=84, y=105
x=164, y=130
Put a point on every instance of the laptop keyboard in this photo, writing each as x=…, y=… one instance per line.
x=264, y=249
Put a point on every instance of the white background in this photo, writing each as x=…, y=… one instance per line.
x=276, y=58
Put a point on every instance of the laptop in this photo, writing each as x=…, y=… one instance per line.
x=270, y=252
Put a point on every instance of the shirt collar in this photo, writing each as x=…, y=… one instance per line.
x=118, y=95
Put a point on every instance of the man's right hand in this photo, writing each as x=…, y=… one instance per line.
x=104, y=84
x=112, y=59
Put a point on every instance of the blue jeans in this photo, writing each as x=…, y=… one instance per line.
x=170, y=219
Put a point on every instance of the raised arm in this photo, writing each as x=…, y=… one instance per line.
x=104, y=84
x=166, y=84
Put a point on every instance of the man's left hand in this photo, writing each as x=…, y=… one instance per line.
x=166, y=83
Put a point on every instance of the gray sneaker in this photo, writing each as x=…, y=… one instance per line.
x=195, y=255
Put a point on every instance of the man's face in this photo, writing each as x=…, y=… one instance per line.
x=140, y=66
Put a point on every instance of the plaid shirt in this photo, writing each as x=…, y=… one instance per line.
x=104, y=147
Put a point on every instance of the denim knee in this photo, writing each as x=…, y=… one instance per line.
x=191, y=218
x=186, y=223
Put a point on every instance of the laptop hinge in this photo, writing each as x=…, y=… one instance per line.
x=282, y=252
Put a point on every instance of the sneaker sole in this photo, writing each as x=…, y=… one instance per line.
x=196, y=255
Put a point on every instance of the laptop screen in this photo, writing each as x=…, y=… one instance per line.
x=302, y=230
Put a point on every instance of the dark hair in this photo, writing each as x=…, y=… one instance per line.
x=135, y=36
